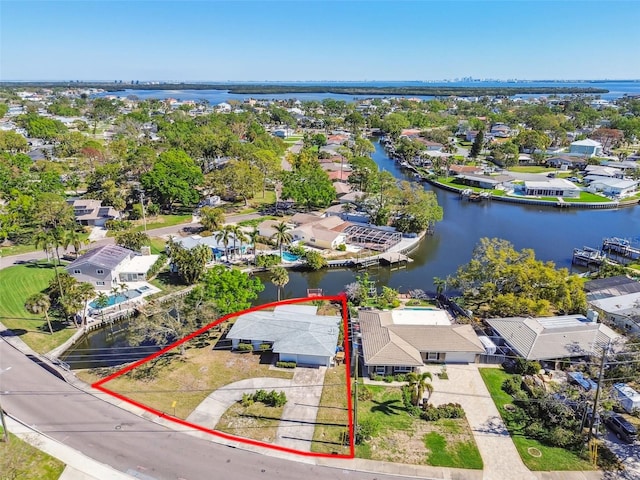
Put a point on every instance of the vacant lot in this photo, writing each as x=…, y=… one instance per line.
x=402, y=438
x=186, y=379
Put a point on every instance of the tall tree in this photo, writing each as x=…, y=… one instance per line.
x=279, y=277
x=39, y=304
x=282, y=235
x=190, y=264
x=132, y=239
x=173, y=178
x=231, y=290
x=84, y=291
x=211, y=218
x=309, y=185
x=478, y=144
x=224, y=235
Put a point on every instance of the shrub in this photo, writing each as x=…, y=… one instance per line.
x=447, y=410
x=245, y=347
x=265, y=347
x=364, y=394
x=375, y=377
x=157, y=266
x=407, y=396
x=400, y=377
x=512, y=385
x=247, y=400
x=388, y=379
x=315, y=261
x=118, y=225
x=286, y=364
x=342, y=247
x=267, y=260
x=526, y=367
x=272, y=398
x=368, y=427
x=297, y=250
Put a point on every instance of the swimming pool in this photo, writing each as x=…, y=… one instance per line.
x=289, y=257
x=116, y=299
x=420, y=308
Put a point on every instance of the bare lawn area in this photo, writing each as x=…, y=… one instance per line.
x=186, y=379
x=258, y=421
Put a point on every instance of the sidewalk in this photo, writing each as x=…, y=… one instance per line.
x=78, y=465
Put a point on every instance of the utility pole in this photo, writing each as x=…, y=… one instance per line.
x=592, y=448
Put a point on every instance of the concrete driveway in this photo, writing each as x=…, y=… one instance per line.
x=466, y=387
x=298, y=417
x=629, y=455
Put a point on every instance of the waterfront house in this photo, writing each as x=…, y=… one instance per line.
x=296, y=333
x=325, y=233
x=218, y=248
x=551, y=187
x=553, y=338
x=614, y=187
x=92, y=212
x=586, y=148
x=110, y=265
x=593, y=172
x=483, y=181
x=402, y=340
x=465, y=169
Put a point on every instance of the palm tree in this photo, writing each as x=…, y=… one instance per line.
x=279, y=277
x=211, y=218
x=72, y=237
x=44, y=239
x=238, y=234
x=253, y=238
x=224, y=236
x=418, y=384
x=85, y=292
x=102, y=302
x=39, y=304
x=282, y=235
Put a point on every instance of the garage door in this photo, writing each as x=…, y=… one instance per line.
x=304, y=359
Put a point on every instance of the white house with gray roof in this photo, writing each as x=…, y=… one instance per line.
x=553, y=338
x=295, y=332
x=110, y=265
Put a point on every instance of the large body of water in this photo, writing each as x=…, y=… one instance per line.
x=616, y=89
x=552, y=233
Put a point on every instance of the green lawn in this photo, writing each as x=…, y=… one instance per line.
x=332, y=423
x=551, y=458
x=162, y=221
x=157, y=245
x=27, y=248
x=18, y=283
x=587, y=197
x=20, y=460
x=528, y=169
x=450, y=182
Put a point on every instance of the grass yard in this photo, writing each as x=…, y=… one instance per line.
x=186, y=379
x=17, y=283
x=332, y=422
x=161, y=221
x=257, y=421
x=20, y=460
x=157, y=245
x=401, y=438
x=587, y=197
x=551, y=458
x=254, y=222
x=528, y=169
x=451, y=183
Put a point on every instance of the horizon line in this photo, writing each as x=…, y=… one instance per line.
x=464, y=79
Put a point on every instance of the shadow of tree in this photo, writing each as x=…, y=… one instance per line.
x=389, y=407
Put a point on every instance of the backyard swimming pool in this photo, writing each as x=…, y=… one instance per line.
x=289, y=257
x=116, y=299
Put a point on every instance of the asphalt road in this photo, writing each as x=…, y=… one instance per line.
x=130, y=443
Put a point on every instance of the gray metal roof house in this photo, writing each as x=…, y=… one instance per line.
x=553, y=338
x=296, y=333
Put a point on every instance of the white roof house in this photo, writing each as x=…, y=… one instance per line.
x=551, y=187
x=587, y=148
x=296, y=332
x=614, y=186
x=621, y=310
x=551, y=338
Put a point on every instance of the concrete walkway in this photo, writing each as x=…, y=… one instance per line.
x=298, y=417
x=211, y=409
x=466, y=387
x=301, y=410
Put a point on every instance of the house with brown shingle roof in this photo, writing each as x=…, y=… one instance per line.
x=407, y=340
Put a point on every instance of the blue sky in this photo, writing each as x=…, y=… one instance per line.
x=313, y=40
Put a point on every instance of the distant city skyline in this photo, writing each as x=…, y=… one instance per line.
x=312, y=41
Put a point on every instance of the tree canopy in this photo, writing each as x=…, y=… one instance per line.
x=230, y=290
x=502, y=281
x=309, y=185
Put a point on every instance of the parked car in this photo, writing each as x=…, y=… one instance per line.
x=574, y=179
x=623, y=429
x=551, y=175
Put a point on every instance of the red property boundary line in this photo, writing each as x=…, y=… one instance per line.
x=333, y=298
